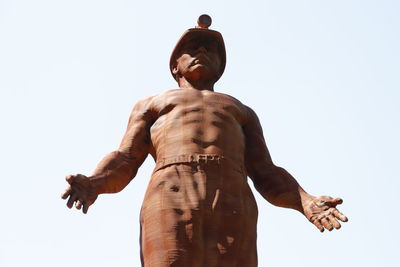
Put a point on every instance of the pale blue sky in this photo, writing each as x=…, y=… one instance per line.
x=323, y=76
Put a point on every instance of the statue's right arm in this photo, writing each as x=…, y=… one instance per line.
x=279, y=187
x=118, y=168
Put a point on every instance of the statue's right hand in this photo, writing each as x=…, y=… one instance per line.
x=80, y=191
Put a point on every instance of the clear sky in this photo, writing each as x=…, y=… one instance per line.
x=323, y=76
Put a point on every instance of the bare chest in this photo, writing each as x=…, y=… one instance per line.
x=200, y=106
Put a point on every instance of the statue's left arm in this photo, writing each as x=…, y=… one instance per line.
x=279, y=187
x=118, y=168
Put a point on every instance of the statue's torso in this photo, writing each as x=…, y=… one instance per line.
x=204, y=213
x=198, y=122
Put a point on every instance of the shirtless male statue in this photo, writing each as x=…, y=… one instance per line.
x=199, y=210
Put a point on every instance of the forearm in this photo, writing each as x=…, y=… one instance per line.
x=280, y=188
x=114, y=172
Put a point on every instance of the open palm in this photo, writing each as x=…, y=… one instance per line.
x=322, y=212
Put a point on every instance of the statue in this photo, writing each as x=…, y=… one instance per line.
x=199, y=209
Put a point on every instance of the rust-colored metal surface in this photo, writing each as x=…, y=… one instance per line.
x=198, y=209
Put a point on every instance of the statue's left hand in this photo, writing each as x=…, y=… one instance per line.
x=81, y=192
x=322, y=212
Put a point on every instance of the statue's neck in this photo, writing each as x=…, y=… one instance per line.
x=197, y=85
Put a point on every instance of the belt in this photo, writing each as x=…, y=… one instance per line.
x=194, y=158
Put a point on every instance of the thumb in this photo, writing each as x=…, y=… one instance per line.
x=77, y=178
x=334, y=201
x=70, y=178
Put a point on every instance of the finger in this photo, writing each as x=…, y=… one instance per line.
x=85, y=207
x=332, y=202
x=334, y=222
x=78, y=204
x=70, y=178
x=66, y=193
x=337, y=201
x=71, y=200
x=318, y=224
x=339, y=215
x=326, y=224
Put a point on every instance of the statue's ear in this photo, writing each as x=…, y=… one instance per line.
x=175, y=68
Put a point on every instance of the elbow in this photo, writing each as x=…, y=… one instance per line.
x=261, y=173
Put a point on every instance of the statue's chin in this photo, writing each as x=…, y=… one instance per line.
x=200, y=72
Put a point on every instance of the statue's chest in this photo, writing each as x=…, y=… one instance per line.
x=198, y=102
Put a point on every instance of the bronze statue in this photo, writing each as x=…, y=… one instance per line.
x=198, y=209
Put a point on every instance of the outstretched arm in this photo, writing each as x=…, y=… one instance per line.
x=280, y=188
x=118, y=168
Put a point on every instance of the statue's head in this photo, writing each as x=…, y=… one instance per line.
x=199, y=53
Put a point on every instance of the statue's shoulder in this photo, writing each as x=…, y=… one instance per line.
x=169, y=93
x=166, y=94
x=144, y=103
x=229, y=98
x=157, y=102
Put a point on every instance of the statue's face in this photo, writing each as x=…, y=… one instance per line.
x=199, y=59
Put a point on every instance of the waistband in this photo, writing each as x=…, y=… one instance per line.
x=196, y=158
